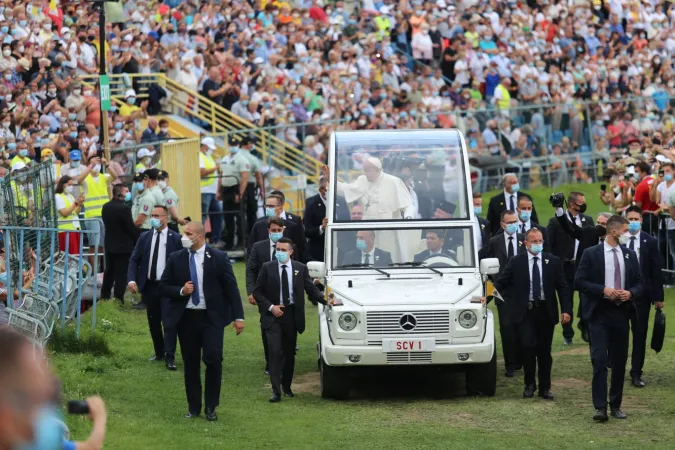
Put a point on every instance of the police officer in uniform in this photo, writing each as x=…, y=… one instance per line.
x=234, y=174
x=152, y=184
x=143, y=203
x=170, y=201
x=255, y=176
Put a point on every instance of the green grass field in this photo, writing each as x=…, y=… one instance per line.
x=390, y=410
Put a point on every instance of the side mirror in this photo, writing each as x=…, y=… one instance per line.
x=317, y=269
x=489, y=266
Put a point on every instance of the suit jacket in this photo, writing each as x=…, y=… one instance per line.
x=121, y=232
x=498, y=205
x=268, y=288
x=496, y=248
x=260, y=254
x=651, y=265
x=590, y=277
x=382, y=258
x=562, y=234
x=544, y=233
x=421, y=256
x=315, y=212
x=139, y=263
x=514, y=281
x=223, y=303
x=293, y=230
x=484, y=230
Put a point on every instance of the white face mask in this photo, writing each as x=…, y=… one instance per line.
x=186, y=241
x=623, y=239
x=97, y=168
x=162, y=185
x=69, y=189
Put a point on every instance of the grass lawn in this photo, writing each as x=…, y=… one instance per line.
x=389, y=410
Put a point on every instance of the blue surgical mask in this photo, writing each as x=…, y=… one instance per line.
x=234, y=150
x=270, y=212
x=361, y=244
x=525, y=215
x=155, y=223
x=274, y=237
x=515, y=188
x=74, y=164
x=131, y=100
x=73, y=134
x=512, y=228
x=282, y=257
x=3, y=277
x=139, y=186
x=127, y=197
x=11, y=145
x=668, y=176
x=634, y=227
x=48, y=430
x=118, y=125
x=22, y=23
x=477, y=210
x=537, y=248
x=23, y=152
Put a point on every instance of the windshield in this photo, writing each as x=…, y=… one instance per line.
x=399, y=175
x=397, y=247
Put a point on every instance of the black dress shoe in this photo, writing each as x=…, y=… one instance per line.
x=267, y=372
x=567, y=341
x=210, y=414
x=288, y=393
x=275, y=398
x=600, y=415
x=529, y=391
x=618, y=414
x=638, y=382
x=546, y=395
x=170, y=364
x=510, y=373
x=191, y=415
x=156, y=358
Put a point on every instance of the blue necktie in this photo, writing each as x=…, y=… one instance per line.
x=194, y=278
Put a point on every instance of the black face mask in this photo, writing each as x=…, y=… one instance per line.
x=582, y=208
x=656, y=141
x=600, y=230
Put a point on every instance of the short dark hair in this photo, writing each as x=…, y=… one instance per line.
x=117, y=190
x=671, y=165
x=532, y=231
x=280, y=195
x=615, y=222
x=166, y=210
x=285, y=240
x=574, y=196
x=644, y=167
x=633, y=208
x=506, y=213
x=476, y=195
x=280, y=200
x=526, y=198
x=275, y=221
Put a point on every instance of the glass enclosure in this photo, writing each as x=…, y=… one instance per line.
x=389, y=248
x=399, y=175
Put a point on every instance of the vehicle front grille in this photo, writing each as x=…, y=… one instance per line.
x=389, y=322
x=409, y=358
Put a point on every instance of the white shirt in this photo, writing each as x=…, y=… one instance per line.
x=530, y=260
x=507, y=200
x=273, y=246
x=479, y=234
x=636, y=245
x=199, y=265
x=527, y=225
x=371, y=258
x=578, y=223
x=289, y=276
x=609, y=266
x=667, y=197
x=513, y=242
x=161, y=256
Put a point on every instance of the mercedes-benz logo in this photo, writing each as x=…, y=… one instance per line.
x=408, y=322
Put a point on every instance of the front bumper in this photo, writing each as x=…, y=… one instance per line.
x=445, y=354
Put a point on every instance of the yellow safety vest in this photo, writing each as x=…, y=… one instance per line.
x=97, y=195
x=21, y=198
x=505, y=101
x=67, y=222
x=26, y=160
x=209, y=163
x=140, y=168
x=383, y=25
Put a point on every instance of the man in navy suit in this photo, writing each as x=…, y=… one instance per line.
x=609, y=276
x=533, y=282
x=146, y=266
x=366, y=253
x=204, y=299
x=646, y=248
x=316, y=221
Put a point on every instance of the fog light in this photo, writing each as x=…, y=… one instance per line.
x=463, y=356
x=354, y=358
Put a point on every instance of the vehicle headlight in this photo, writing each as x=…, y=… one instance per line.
x=467, y=319
x=347, y=321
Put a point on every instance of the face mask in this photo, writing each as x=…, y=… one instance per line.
x=23, y=152
x=155, y=223
x=536, y=248
x=668, y=176
x=69, y=189
x=270, y=212
x=73, y=134
x=96, y=169
x=623, y=239
x=127, y=197
x=274, y=237
x=3, y=278
x=515, y=188
x=77, y=91
x=361, y=244
x=162, y=185
x=22, y=23
x=147, y=161
x=131, y=100
x=118, y=126
x=48, y=431
x=74, y=164
x=525, y=215
x=282, y=257
x=7, y=52
x=582, y=208
x=234, y=150
x=186, y=242
x=634, y=227
x=477, y=210
x=139, y=186
x=511, y=228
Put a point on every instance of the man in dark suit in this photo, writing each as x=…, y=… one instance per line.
x=263, y=252
x=366, y=253
x=531, y=281
x=120, y=240
x=646, y=248
x=204, y=296
x=146, y=266
x=610, y=277
x=526, y=223
x=482, y=227
x=280, y=295
x=315, y=220
x=505, y=246
x=435, y=242
x=566, y=247
x=507, y=200
x=274, y=207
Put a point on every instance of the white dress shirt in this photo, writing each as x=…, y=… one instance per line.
x=371, y=258
x=289, y=276
x=479, y=233
x=199, y=263
x=636, y=245
x=527, y=225
x=273, y=246
x=161, y=257
x=578, y=223
x=530, y=260
x=507, y=200
x=609, y=266
x=514, y=242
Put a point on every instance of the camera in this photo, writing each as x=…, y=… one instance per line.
x=557, y=200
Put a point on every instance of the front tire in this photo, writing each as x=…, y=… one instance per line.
x=481, y=379
x=334, y=381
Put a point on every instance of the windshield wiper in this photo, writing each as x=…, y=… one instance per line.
x=369, y=266
x=416, y=264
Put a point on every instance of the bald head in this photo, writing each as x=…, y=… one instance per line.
x=196, y=233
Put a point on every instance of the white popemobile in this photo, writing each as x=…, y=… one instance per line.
x=401, y=261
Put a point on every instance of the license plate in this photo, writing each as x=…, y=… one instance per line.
x=408, y=345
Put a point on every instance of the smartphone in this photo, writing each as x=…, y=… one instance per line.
x=603, y=187
x=80, y=407
x=188, y=219
x=661, y=173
